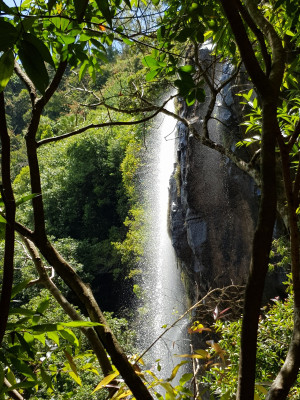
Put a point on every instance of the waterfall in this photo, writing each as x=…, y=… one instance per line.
x=162, y=287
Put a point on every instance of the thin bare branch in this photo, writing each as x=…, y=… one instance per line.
x=28, y=83
x=202, y=300
x=106, y=124
x=13, y=393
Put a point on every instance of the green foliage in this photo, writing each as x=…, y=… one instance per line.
x=275, y=328
x=40, y=353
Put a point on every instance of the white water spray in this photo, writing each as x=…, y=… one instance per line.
x=164, y=292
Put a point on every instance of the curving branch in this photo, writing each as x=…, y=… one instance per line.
x=109, y=124
x=47, y=282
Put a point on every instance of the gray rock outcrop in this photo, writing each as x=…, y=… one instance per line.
x=213, y=204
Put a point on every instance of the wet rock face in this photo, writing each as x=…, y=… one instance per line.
x=213, y=205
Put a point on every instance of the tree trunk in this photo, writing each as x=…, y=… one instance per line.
x=260, y=255
x=84, y=294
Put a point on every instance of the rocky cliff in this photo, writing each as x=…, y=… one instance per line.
x=213, y=204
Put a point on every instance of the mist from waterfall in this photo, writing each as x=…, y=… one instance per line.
x=163, y=291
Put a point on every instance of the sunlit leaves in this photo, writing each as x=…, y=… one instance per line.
x=105, y=381
x=59, y=349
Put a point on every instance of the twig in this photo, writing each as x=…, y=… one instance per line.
x=202, y=300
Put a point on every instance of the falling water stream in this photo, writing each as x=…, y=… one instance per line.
x=163, y=289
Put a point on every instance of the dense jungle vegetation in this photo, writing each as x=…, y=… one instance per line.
x=79, y=83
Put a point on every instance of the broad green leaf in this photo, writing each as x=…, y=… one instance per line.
x=23, y=199
x=289, y=33
x=127, y=41
x=26, y=24
x=148, y=61
x=44, y=328
x=46, y=378
x=100, y=55
x=44, y=304
x=4, y=7
x=169, y=389
x=41, y=47
x=64, y=23
x=66, y=39
x=187, y=68
x=53, y=336
x=103, y=6
x=19, y=287
x=25, y=384
x=152, y=74
x=22, y=368
x=25, y=345
x=105, y=381
x=175, y=370
x=33, y=64
x=2, y=220
x=83, y=69
x=200, y=94
x=28, y=337
x=40, y=337
x=10, y=376
x=75, y=377
x=84, y=37
x=97, y=44
x=69, y=336
x=155, y=2
x=8, y=35
x=185, y=378
x=71, y=362
x=79, y=324
x=25, y=4
x=6, y=69
x=21, y=311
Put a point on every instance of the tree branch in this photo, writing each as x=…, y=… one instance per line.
x=252, y=65
x=28, y=83
x=41, y=102
x=278, y=55
x=10, y=211
x=47, y=282
x=106, y=124
x=259, y=35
